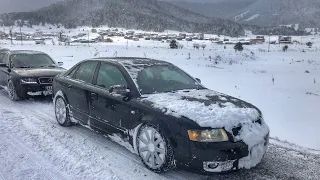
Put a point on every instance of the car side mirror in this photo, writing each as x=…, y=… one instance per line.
x=199, y=80
x=60, y=63
x=121, y=90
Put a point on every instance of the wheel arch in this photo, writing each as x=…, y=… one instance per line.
x=61, y=94
x=151, y=120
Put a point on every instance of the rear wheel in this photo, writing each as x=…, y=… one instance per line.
x=13, y=95
x=62, y=112
x=154, y=149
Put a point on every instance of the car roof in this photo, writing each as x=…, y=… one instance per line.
x=132, y=60
x=4, y=49
x=26, y=52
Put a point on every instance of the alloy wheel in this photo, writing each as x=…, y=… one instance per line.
x=61, y=111
x=152, y=147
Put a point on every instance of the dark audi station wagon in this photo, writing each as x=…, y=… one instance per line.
x=163, y=114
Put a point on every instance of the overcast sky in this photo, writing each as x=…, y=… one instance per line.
x=23, y=5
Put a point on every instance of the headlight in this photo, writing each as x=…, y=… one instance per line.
x=214, y=135
x=28, y=81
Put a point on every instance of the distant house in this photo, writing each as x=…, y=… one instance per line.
x=285, y=40
x=130, y=33
x=21, y=37
x=94, y=30
x=258, y=40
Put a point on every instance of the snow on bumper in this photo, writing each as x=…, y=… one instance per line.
x=255, y=156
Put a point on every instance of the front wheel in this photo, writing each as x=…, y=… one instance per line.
x=12, y=92
x=154, y=149
x=62, y=112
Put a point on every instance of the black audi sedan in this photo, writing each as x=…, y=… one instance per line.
x=161, y=113
x=27, y=73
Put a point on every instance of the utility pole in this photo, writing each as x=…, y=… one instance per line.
x=20, y=35
x=269, y=43
x=11, y=36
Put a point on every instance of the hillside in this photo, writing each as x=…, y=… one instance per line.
x=137, y=14
x=306, y=13
x=218, y=9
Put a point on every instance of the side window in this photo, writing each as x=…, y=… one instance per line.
x=6, y=59
x=86, y=71
x=109, y=75
x=1, y=58
x=72, y=73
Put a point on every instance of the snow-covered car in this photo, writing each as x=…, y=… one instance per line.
x=27, y=73
x=161, y=113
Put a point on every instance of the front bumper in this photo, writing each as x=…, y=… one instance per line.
x=210, y=158
x=36, y=89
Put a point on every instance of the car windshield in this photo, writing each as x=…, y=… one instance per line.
x=165, y=78
x=31, y=61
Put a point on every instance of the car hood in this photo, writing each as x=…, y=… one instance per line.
x=210, y=109
x=38, y=72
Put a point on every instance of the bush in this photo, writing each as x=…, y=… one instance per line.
x=238, y=46
x=309, y=44
x=196, y=46
x=203, y=46
x=174, y=44
x=285, y=48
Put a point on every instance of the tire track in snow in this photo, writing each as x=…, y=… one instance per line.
x=40, y=167
x=46, y=121
x=279, y=163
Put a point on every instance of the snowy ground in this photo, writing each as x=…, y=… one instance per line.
x=33, y=146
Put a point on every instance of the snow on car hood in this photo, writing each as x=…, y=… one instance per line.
x=38, y=72
x=214, y=110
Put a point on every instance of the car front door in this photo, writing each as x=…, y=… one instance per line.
x=77, y=90
x=4, y=73
x=108, y=111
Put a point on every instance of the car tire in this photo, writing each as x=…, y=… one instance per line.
x=12, y=92
x=154, y=149
x=62, y=112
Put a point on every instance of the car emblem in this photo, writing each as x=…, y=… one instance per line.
x=50, y=80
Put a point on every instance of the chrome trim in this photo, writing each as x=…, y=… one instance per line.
x=50, y=80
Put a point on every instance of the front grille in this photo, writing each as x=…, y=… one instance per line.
x=46, y=80
x=236, y=130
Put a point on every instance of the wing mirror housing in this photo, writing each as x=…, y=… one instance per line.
x=199, y=80
x=60, y=64
x=4, y=65
x=121, y=90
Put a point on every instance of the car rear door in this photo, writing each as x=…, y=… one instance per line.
x=109, y=112
x=77, y=90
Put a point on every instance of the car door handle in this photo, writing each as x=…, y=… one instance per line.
x=94, y=96
x=69, y=86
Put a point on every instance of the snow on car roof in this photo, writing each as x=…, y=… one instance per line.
x=26, y=52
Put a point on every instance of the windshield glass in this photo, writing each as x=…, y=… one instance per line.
x=31, y=61
x=164, y=78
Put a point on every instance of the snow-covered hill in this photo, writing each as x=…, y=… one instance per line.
x=306, y=13
x=138, y=14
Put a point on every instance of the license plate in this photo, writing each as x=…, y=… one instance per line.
x=48, y=88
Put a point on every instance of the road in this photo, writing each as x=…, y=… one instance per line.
x=34, y=146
